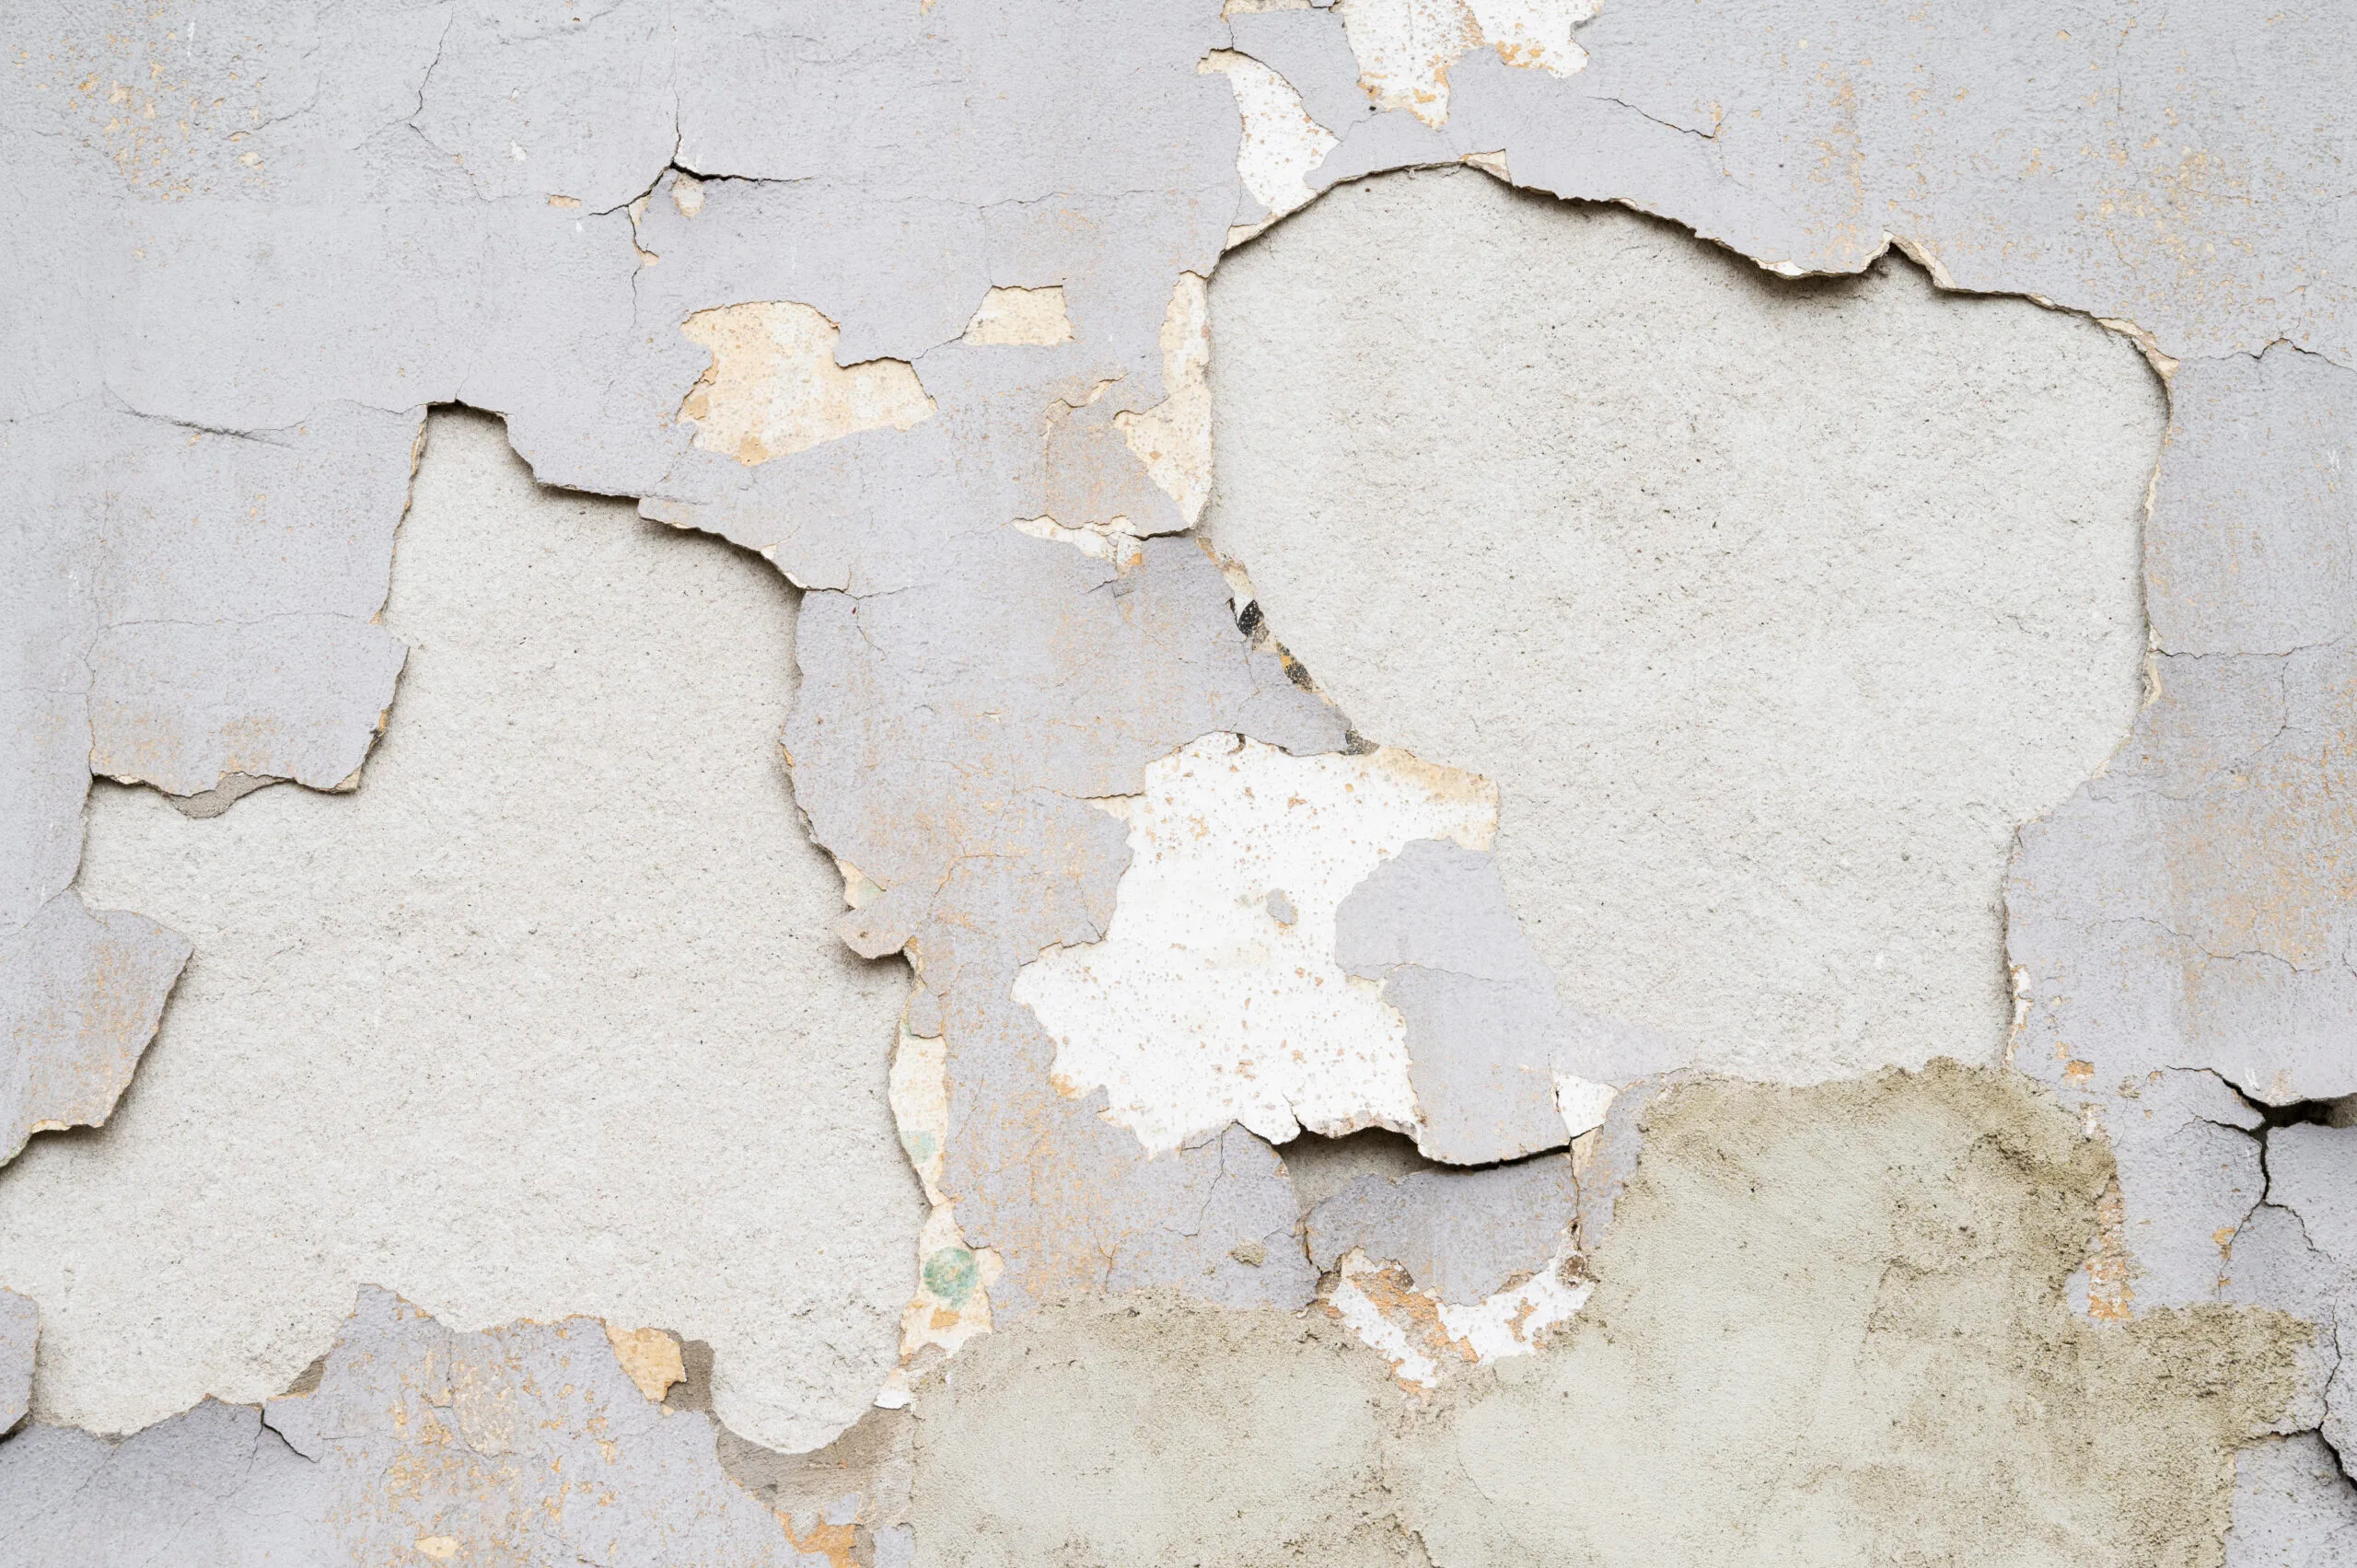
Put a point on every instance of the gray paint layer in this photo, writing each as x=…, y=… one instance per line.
x=80, y=993
x=275, y=213
x=1461, y=1235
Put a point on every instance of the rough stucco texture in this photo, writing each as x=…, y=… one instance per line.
x=1772, y=608
x=544, y=1018
x=1830, y=1329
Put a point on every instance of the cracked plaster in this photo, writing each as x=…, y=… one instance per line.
x=290, y=233
x=545, y=1015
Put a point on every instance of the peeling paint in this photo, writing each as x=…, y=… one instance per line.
x=773, y=388
x=80, y=994
x=571, y=926
x=1844, y=1323
x=1173, y=438
x=1015, y=318
x=1406, y=47
x=1198, y=1007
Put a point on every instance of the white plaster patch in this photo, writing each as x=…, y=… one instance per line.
x=1282, y=145
x=1019, y=318
x=773, y=386
x=1174, y=437
x=1583, y=1103
x=1120, y=549
x=1201, y=1007
x=1404, y=48
x=544, y=1018
x=1420, y=1335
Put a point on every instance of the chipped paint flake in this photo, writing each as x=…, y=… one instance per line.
x=1582, y=1103
x=1015, y=318
x=1200, y=1007
x=773, y=386
x=80, y=995
x=1174, y=437
x=1282, y=145
x=650, y=1357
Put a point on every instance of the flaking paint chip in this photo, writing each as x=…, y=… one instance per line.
x=650, y=1357
x=1032, y=317
x=773, y=386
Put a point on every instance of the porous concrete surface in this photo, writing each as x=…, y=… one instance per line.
x=544, y=1018
x=1772, y=610
x=252, y=244
x=1830, y=1328
x=1156, y=1430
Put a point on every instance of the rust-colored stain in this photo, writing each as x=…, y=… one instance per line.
x=834, y=1542
x=2110, y=1297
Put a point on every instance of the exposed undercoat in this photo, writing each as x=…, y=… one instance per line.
x=253, y=245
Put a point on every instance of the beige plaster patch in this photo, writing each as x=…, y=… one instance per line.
x=1015, y=318
x=773, y=386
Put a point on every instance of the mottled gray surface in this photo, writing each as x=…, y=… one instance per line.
x=1486, y=1031
x=80, y=992
x=2312, y=1174
x=2293, y=1507
x=1485, y=1027
x=527, y=1441
x=526, y=1444
x=1461, y=1235
x=210, y=1488
x=2136, y=165
x=251, y=243
x=19, y=1336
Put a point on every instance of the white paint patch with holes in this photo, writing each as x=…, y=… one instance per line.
x=1404, y=48
x=1281, y=145
x=1202, y=1007
x=1422, y=1336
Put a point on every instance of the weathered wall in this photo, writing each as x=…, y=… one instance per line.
x=1306, y=1145
x=1772, y=608
x=1830, y=1329
x=544, y=1018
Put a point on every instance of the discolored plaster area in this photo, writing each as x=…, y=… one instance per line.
x=1772, y=610
x=1158, y=1430
x=544, y=1018
x=922, y=308
x=1830, y=1325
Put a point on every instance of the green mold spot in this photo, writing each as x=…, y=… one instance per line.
x=951, y=1275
